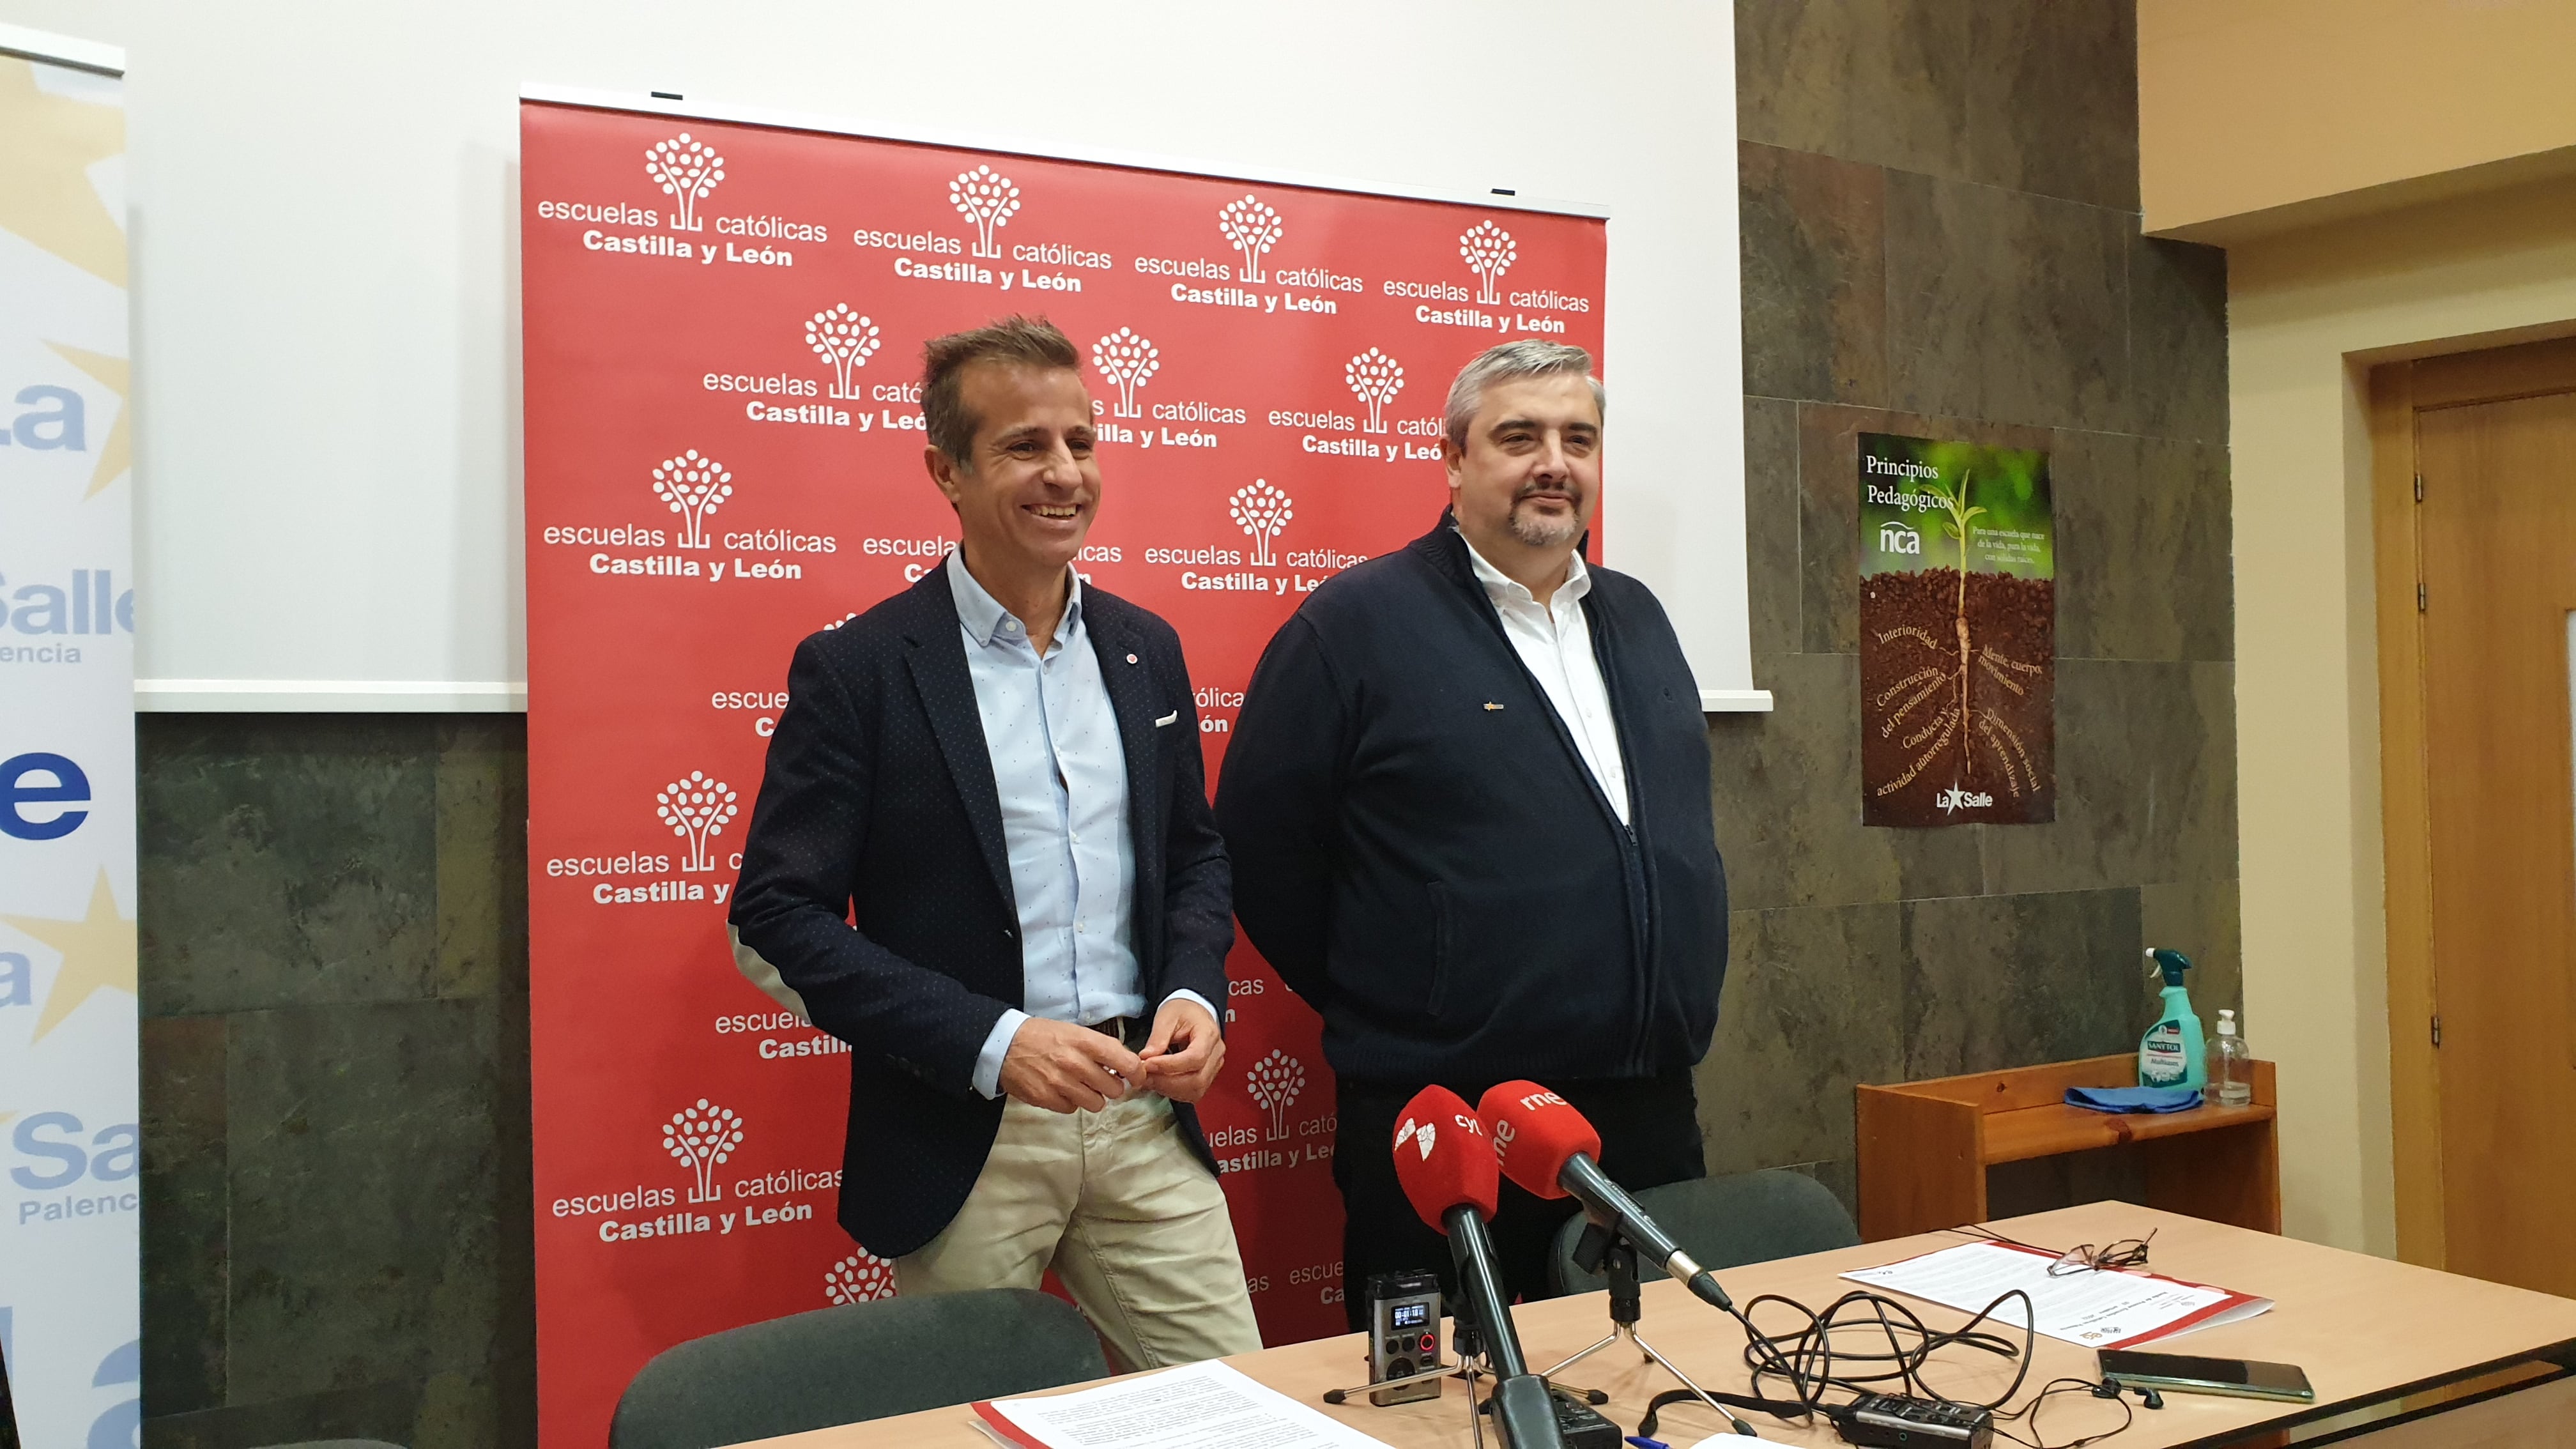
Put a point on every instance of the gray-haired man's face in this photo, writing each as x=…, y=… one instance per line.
x=1531, y=469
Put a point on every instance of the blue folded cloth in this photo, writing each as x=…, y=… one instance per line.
x=2133, y=1099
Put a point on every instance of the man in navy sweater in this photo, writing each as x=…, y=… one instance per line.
x=1467, y=803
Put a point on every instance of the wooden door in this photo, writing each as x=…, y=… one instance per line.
x=2498, y=627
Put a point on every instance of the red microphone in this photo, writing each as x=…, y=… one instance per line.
x=1546, y=1147
x=1443, y=1159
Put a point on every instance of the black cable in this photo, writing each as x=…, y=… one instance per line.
x=2029, y=1414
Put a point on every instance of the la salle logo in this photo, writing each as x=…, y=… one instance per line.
x=1955, y=798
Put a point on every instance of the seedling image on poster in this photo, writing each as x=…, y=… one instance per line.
x=1958, y=619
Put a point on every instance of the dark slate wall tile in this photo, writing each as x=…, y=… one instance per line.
x=2054, y=102
x=1814, y=275
x=1810, y=1009
x=285, y=860
x=2178, y=340
x=2035, y=95
x=1771, y=514
x=1829, y=507
x=482, y=845
x=2146, y=782
x=383, y=1412
x=1878, y=81
x=2011, y=981
x=2006, y=306
x=1787, y=800
x=184, y=1213
x=364, y=1197
x=2144, y=540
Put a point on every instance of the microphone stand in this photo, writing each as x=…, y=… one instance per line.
x=1608, y=1251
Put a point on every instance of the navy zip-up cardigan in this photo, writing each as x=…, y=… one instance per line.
x=1421, y=854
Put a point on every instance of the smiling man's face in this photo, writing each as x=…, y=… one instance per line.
x=1531, y=470
x=1030, y=485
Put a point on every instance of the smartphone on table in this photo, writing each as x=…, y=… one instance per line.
x=2243, y=1378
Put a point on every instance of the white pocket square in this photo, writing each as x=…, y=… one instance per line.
x=1172, y=718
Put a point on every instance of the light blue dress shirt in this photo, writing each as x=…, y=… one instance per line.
x=1060, y=767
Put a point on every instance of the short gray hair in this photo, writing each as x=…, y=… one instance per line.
x=1506, y=361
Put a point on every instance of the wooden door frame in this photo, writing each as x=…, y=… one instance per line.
x=2398, y=391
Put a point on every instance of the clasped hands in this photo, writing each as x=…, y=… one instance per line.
x=1067, y=1068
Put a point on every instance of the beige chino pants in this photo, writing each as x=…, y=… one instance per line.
x=1113, y=1201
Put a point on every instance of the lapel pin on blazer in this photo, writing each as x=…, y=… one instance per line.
x=1172, y=718
x=1489, y=704
x=1131, y=658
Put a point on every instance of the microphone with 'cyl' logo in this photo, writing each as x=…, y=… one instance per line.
x=1547, y=1148
x=1446, y=1165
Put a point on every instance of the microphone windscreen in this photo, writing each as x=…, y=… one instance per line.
x=1443, y=1157
x=1535, y=1131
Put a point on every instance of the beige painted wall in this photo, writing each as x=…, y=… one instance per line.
x=2259, y=114
x=2308, y=312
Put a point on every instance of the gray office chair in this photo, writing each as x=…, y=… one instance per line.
x=1725, y=1222
x=862, y=1361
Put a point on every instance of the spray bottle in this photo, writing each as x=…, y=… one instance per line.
x=2172, y=1053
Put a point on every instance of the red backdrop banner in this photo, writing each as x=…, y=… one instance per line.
x=723, y=326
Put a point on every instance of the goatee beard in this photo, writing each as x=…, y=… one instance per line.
x=1534, y=532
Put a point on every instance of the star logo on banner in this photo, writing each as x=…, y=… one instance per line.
x=98, y=952
x=45, y=195
x=116, y=375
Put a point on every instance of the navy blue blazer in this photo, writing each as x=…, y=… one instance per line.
x=875, y=878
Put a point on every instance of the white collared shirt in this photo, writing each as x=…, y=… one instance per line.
x=1555, y=643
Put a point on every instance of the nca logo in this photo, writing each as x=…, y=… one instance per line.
x=986, y=198
x=1261, y=511
x=688, y=172
x=1375, y=379
x=1274, y=1082
x=1895, y=537
x=694, y=486
x=700, y=1139
x=1252, y=227
x=1489, y=252
x=1127, y=360
x=862, y=1277
x=843, y=339
x=1955, y=798
x=697, y=810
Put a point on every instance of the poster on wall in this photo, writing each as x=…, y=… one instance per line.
x=70, y=1305
x=723, y=326
x=1958, y=634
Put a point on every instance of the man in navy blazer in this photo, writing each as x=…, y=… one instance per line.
x=983, y=856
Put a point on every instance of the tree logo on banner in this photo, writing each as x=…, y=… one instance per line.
x=1488, y=251
x=695, y=486
x=1261, y=511
x=688, y=172
x=700, y=1138
x=1274, y=1082
x=1127, y=360
x=986, y=198
x=1375, y=379
x=696, y=808
x=862, y=1277
x=1254, y=229
x=844, y=339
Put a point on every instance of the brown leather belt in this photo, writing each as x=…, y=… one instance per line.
x=1132, y=1032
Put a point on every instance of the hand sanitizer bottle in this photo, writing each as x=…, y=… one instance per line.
x=2231, y=1064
